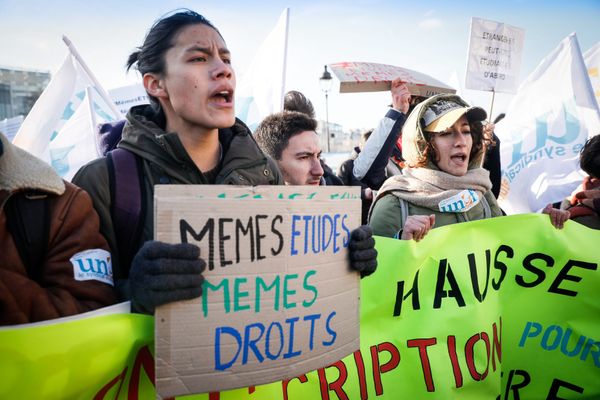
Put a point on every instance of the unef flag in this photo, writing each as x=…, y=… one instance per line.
x=547, y=123
x=261, y=89
x=592, y=62
x=61, y=127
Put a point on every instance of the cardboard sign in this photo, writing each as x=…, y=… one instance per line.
x=279, y=298
x=373, y=77
x=494, y=58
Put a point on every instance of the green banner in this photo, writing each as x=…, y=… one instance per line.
x=499, y=309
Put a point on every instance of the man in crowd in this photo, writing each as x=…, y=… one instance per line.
x=296, y=101
x=290, y=138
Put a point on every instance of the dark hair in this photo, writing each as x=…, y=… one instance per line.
x=366, y=135
x=481, y=141
x=296, y=101
x=589, y=157
x=150, y=56
x=274, y=132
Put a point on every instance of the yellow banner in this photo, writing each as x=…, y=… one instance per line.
x=504, y=308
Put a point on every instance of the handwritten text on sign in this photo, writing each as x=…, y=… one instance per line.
x=494, y=58
x=278, y=298
x=374, y=77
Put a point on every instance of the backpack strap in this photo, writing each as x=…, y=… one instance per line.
x=28, y=220
x=487, y=211
x=403, y=216
x=127, y=206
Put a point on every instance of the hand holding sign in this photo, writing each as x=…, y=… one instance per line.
x=400, y=95
x=163, y=273
x=363, y=256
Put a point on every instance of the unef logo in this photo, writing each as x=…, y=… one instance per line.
x=94, y=264
x=460, y=202
x=544, y=134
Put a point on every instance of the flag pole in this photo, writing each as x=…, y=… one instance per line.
x=492, y=105
x=285, y=48
x=89, y=73
x=93, y=121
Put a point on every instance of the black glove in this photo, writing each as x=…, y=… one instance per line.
x=163, y=273
x=363, y=256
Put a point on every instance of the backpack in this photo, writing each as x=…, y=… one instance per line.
x=128, y=207
x=127, y=192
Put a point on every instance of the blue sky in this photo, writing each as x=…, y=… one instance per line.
x=427, y=36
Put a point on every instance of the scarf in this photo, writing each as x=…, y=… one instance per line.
x=429, y=188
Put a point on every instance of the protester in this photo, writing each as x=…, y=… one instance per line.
x=346, y=174
x=583, y=206
x=381, y=156
x=443, y=182
x=296, y=101
x=187, y=135
x=54, y=260
x=290, y=139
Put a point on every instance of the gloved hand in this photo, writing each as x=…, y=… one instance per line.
x=363, y=256
x=163, y=273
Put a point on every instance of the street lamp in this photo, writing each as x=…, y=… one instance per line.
x=325, y=82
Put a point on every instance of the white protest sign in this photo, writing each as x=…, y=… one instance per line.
x=373, y=77
x=128, y=96
x=279, y=298
x=494, y=58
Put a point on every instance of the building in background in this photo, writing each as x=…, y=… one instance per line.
x=19, y=90
x=336, y=136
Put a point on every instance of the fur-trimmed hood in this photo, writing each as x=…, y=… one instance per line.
x=20, y=170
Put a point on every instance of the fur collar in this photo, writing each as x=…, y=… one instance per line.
x=20, y=170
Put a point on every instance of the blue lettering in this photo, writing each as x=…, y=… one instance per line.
x=267, y=347
x=529, y=332
x=312, y=318
x=294, y=234
x=251, y=343
x=291, y=353
x=316, y=234
x=331, y=332
x=220, y=366
x=306, y=219
x=102, y=267
x=336, y=233
x=82, y=267
x=546, y=337
x=320, y=233
x=345, y=229
x=327, y=218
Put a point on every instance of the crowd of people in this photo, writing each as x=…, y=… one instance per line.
x=420, y=168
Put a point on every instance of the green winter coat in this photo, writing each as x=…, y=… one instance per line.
x=165, y=160
x=388, y=212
